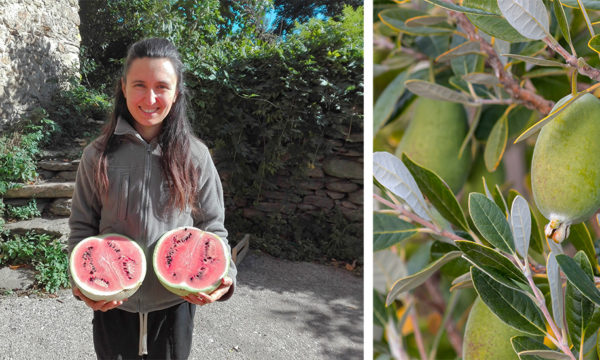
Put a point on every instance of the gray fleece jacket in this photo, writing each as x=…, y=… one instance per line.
x=136, y=206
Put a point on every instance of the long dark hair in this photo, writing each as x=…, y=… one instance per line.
x=175, y=134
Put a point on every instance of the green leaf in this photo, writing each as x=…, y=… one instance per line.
x=462, y=9
x=499, y=199
x=537, y=239
x=481, y=78
x=588, y=4
x=389, y=230
x=496, y=144
x=524, y=343
x=594, y=43
x=561, y=17
x=493, y=25
x=387, y=267
x=438, y=193
x=513, y=307
x=393, y=174
x=397, y=16
x=544, y=354
x=528, y=17
x=386, y=102
x=414, y=280
x=556, y=292
x=437, y=92
x=556, y=111
x=578, y=278
x=493, y=264
x=537, y=61
x=425, y=20
x=491, y=222
x=578, y=308
x=580, y=238
x=465, y=48
x=520, y=219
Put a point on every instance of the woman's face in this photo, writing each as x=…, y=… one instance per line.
x=150, y=88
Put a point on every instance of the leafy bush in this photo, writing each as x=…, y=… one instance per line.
x=47, y=255
x=22, y=212
x=19, y=148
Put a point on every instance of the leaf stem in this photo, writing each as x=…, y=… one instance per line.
x=557, y=339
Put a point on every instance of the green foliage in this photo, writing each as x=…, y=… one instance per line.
x=73, y=109
x=505, y=62
x=19, y=148
x=22, y=212
x=47, y=255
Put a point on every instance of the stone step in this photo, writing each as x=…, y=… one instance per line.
x=55, y=227
x=43, y=190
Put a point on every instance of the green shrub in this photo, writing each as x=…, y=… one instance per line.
x=47, y=255
x=23, y=212
x=19, y=148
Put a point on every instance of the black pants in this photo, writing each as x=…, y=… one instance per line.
x=169, y=336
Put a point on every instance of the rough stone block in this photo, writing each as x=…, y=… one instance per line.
x=47, y=190
x=343, y=168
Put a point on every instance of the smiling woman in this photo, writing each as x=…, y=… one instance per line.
x=145, y=175
x=150, y=89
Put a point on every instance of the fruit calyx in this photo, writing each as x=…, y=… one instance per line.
x=557, y=230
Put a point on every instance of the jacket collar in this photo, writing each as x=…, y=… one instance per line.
x=124, y=128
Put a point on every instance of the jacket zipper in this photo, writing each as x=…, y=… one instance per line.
x=145, y=202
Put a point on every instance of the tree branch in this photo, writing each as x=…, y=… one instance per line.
x=526, y=97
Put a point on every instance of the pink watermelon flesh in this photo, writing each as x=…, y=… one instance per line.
x=108, y=267
x=188, y=260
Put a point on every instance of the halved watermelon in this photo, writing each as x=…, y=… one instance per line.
x=107, y=267
x=188, y=260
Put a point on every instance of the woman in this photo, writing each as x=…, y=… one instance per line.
x=147, y=174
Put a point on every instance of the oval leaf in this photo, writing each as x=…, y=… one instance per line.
x=561, y=17
x=397, y=16
x=580, y=238
x=490, y=222
x=588, y=4
x=536, y=61
x=513, y=307
x=524, y=343
x=556, y=292
x=437, y=92
x=462, y=9
x=425, y=20
x=386, y=102
x=594, y=43
x=578, y=278
x=537, y=237
x=393, y=174
x=545, y=354
x=496, y=143
x=414, y=280
x=493, y=25
x=520, y=219
x=438, y=193
x=493, y=263
x=578, y=308
x=389, y=230
x=387, y=267
x=528, y=17
x=465, y=48
x=482, y=78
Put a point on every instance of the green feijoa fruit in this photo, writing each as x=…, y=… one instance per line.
x=433, y=139
x=565, y=168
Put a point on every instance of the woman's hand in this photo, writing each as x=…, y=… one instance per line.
x=101, y=305
x=203, y=299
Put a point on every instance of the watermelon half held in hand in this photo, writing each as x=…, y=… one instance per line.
x=107, y=267
x=188, y=260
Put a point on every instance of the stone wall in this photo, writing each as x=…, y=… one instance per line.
x=333, y=185
x=39, y=47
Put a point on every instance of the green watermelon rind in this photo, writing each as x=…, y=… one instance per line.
x=183, y=290
x=105, y=296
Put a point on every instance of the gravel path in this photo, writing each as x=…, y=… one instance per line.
x=281, y=310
